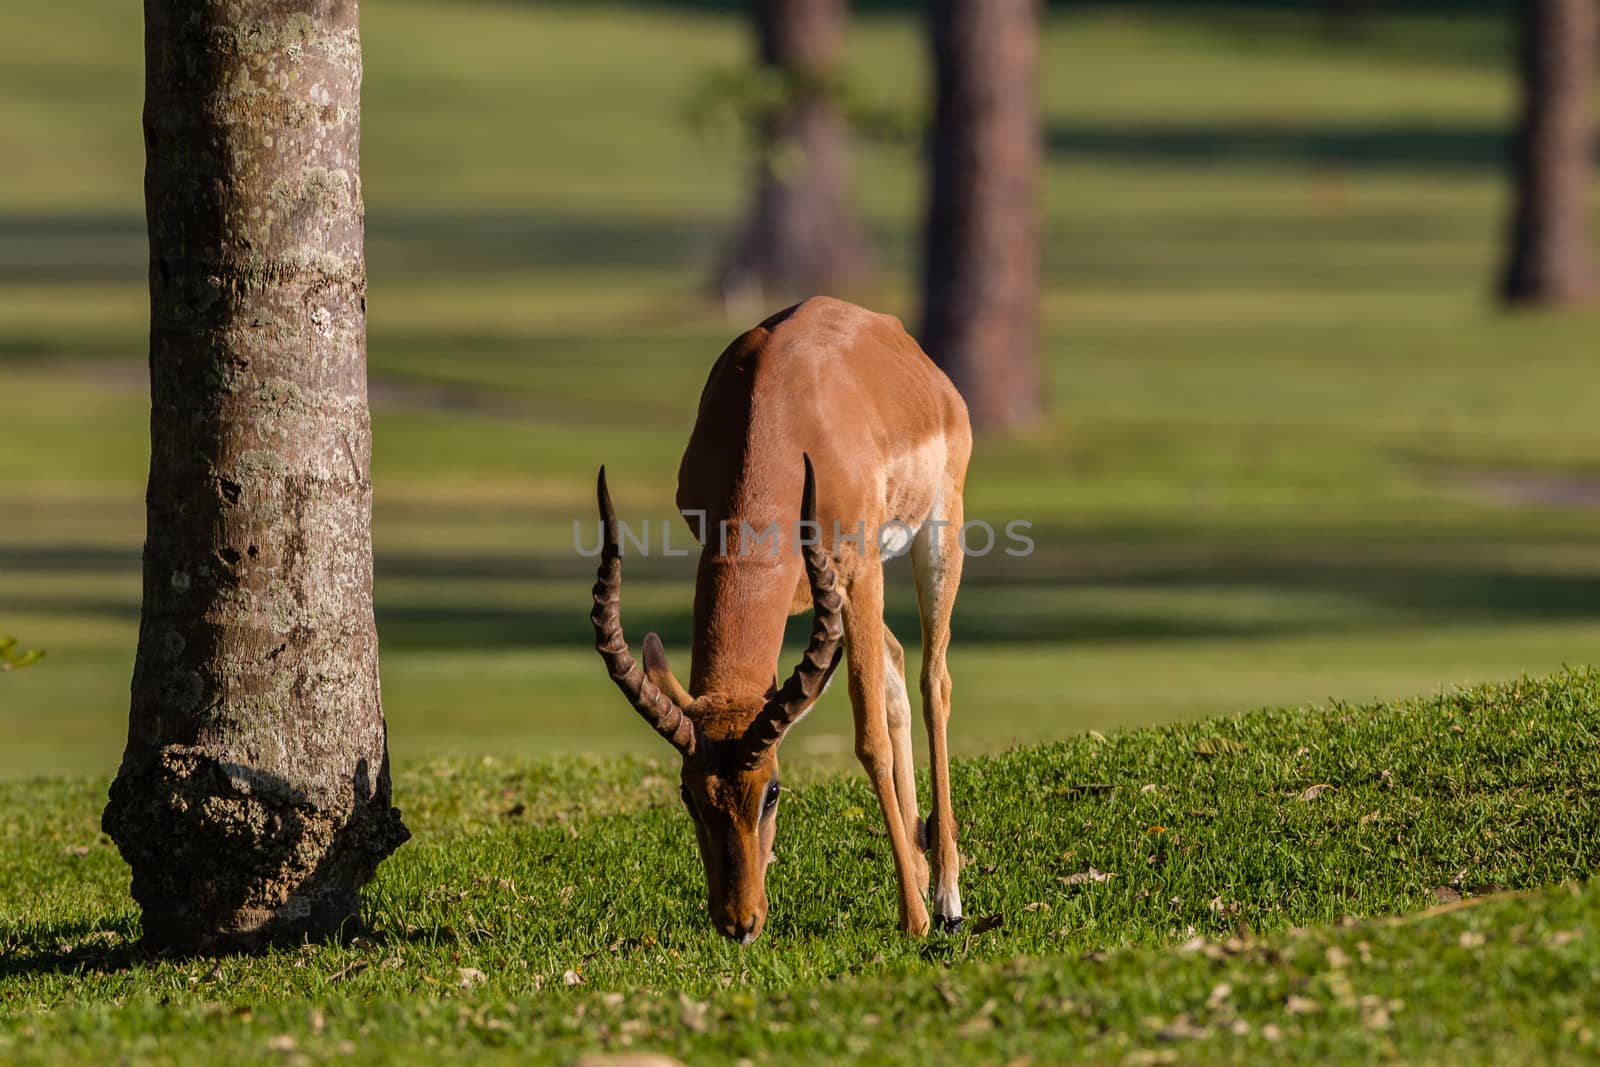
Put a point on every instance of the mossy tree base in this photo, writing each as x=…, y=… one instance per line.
x=227, y=857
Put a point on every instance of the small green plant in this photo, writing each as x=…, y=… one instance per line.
x=744, y=103
x=14, y=659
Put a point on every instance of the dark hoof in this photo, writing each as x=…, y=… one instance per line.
x=949, y=926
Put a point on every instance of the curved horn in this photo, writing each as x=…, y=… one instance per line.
x=665, y=716
x=824, y=652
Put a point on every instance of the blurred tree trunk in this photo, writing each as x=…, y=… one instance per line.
x=981, y=268
x=253, y=799
x=1347, y=18
x=1549, y=259
x=801, y=237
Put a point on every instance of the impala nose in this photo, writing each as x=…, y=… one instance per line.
x=743, y=930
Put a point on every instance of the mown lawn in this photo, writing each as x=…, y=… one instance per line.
x=1343, y=882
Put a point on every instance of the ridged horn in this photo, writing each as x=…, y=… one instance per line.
x=657, y=709
x=825, y=649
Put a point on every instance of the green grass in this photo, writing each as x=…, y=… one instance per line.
x=1275, y=372
x=1225, y=840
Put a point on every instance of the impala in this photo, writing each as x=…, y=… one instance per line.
x=831, y=415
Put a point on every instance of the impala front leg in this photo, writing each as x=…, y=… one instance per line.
x=864, y=644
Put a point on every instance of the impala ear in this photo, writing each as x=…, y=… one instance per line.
x=656, y=669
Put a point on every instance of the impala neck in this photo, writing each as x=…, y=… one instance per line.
x=741, y=605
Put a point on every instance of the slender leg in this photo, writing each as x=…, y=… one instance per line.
x=898, y=705
x=863, y=638
x=936, y=559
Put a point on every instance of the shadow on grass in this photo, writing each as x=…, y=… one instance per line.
x=443, y=602
x=78, y=948
x=1406, y=146
x=71, y=948
x=111, y=247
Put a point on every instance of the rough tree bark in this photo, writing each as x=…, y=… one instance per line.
x=801, y=237
x=253, y=799
x=980, y=284
x=1548, y=258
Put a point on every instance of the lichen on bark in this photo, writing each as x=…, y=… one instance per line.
x=253, y=799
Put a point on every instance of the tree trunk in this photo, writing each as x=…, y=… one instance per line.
x=980, y=285
x=253, y=799
x=1347, y=18
x=801, y=238
x=1549, y=259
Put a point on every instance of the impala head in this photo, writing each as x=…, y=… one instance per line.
x=729, y=779
x=734, y=805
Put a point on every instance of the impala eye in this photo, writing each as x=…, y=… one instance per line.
x=772, y=798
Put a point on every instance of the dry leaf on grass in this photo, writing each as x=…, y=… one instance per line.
x=1297, y=1005
x=693, y=1015
x=351, y=971
x=988, y=922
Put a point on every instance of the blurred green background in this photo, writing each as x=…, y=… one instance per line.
x=1295, y=453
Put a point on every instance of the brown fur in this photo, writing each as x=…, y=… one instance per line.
x=889, y=438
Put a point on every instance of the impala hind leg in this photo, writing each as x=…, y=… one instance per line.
x=897, y=704
x=936, y=559
x=864, y=648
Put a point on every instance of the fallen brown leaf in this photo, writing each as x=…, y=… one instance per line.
x=354, y=969
x=987, y=923
x=1297, y=1005
x=693, y=1015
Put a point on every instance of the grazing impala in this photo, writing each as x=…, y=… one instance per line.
x=832, y=415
